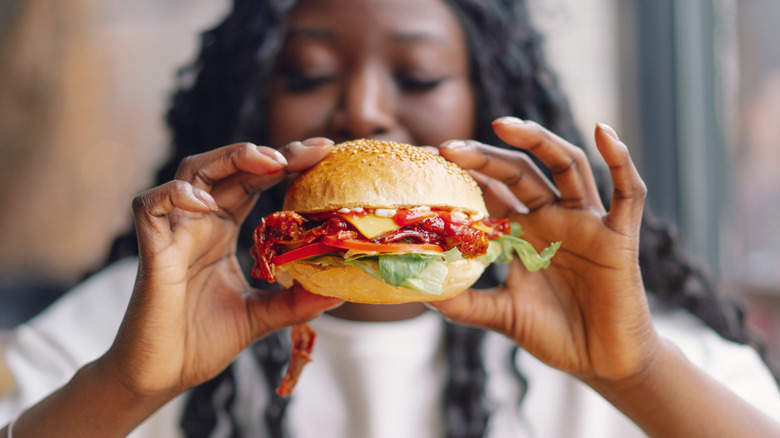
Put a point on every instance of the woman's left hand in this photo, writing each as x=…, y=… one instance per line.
x=587, y=313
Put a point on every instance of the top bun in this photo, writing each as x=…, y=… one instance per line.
x=384, y=174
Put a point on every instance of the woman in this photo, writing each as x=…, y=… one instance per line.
x=422, y=72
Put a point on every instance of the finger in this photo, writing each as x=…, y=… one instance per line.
x=302, y=155
x=569, y=164
x=629, y=191
x=484, y=308
x=500, y=201
x=204, y=170
x=238, y=193
x=152, y=207
x=493, y=309
x=298, y=156
x=514, y=169
x=273, y=310
x=162, y=200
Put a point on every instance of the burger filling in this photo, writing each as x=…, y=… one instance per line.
x=402, y=247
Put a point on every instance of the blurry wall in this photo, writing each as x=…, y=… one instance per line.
x=582, y=46
x=84, y=87
x=83, y=90
x=752, y=228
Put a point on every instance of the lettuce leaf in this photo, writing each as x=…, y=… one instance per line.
x=425, y=272
x=429, y=281
x=397, y=268
x=505, y=247
x=418, y=272
x=533, y=261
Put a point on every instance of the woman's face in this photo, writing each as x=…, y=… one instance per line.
x=386, y=69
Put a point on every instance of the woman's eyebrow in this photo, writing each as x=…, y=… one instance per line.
x=317, y=33
x=324, y=34
x=420, y=36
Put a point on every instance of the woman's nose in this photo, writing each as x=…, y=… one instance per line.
x=366, y=107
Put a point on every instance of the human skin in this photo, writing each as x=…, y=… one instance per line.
x=587, y=314
x=192, y=311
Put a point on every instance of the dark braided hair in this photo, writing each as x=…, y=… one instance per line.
x=221, y=99
x=510, y=77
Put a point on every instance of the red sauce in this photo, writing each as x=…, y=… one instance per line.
x=500, y=227
x=286, y=229
x=443, y=229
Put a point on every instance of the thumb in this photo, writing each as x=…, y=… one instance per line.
x=269, y=311
x=484, y=308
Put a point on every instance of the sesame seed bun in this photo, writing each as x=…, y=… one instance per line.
x=384, y=174
x=353, y=284
x=381, y=174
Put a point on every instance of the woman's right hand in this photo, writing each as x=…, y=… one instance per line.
x=192, y=310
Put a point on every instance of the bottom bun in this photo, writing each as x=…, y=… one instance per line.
x=353, y=284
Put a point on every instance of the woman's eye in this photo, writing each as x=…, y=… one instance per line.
x=414, y=84
x=296, y=82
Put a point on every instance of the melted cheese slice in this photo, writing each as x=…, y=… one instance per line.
x=482, y=227
x=371, y=225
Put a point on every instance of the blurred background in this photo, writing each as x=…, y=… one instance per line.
x=693, y=86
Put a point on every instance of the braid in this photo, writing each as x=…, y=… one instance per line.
x=220, y=101
x=509, y=70
x=511, y=77
x=272, y=353
x=208, y=401
x=681, y=283
x=222, y=94
x=465, y=413
x=678, y=282
x=209, y=407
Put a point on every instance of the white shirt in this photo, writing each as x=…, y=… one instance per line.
x=371, y=380
x=380, y=380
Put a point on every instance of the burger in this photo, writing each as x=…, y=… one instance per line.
x=383, y=222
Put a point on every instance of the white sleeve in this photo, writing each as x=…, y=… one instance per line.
x=737, y=366
x=558, y=405
x=44, y=353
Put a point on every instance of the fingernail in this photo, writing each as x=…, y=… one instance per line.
x=279, y=157
x=454, y=144
x=274, y=155
x=608, y=130
x=508, y=121
x=317, y=142
x=205, y=198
